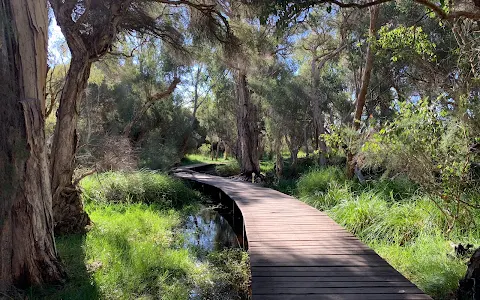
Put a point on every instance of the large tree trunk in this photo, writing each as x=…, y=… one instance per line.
x=68, y=210
x=27, y=246
x=364, y=88
x=294, y=158
x=247, y=128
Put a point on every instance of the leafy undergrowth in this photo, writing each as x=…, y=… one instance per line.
x=135, y=249
x=401, y=224
x=230, y=169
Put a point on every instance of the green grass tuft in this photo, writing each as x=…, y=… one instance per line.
x=317, y=182
x=137, y=187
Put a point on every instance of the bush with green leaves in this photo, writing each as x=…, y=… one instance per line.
x=433, y=149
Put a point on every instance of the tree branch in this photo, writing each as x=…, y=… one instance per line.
x=150, y=101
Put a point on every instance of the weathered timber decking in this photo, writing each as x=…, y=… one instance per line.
x=298, y=252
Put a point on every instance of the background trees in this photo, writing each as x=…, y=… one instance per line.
x=390, y=89
x=91, y=30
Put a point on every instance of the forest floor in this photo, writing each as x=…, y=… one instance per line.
x=393, y=217
x=138, y=246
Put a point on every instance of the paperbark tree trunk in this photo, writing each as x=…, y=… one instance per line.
x=247, y=128
x=278, y=157
x=68, y=210
x=27, y=247
x=360, y=104
x=305, y=140
x=225, y=152
x=323, y=146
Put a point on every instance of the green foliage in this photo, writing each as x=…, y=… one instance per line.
x=205, y=150
x=401, y=41
x=137, y=187
x=267, y=166
x=134, y=249
x=317, y=182
x=361, y=212
x=232, y=267
x=433, y=150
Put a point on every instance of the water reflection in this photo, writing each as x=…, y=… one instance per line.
x=208, y=231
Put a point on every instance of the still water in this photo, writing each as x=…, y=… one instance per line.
x=209, y=231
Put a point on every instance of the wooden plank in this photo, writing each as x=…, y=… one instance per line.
x=335, y=290
x=287, y=280
x=261, y=285
x=340, y=273
x=330, y=296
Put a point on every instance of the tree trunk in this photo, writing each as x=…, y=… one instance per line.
x=317, y=65
x=278, y=157
x=217, y=152
x=305, y=140
x=294, y=158
x=225, y=152
x=247, y=128
x=364, y=88
x=27, y=246
x=68, y=210
x=322, y=159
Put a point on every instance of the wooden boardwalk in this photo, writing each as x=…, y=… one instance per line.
x=298, y=252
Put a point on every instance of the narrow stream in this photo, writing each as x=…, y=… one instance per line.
x=209, y=231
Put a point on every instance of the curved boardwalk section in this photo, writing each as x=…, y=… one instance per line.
x=298, y=252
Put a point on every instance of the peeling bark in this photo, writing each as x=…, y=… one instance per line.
x=68, y=210
x=247, y=128
x=278, y=157
x=27, y=246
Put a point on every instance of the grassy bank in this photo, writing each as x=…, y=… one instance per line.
x=136, y=249
x=401, y=224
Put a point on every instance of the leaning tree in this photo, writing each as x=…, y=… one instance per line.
x=27, y=247
x=91, y=28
